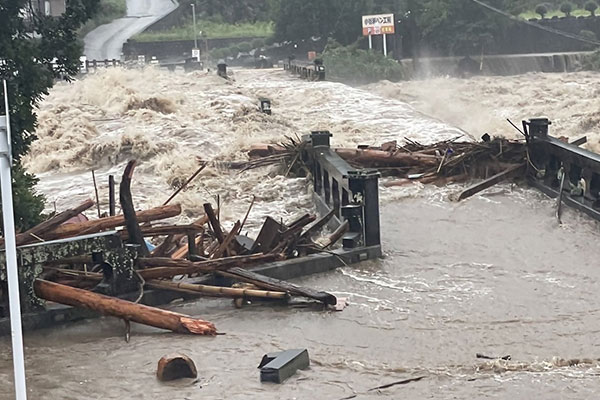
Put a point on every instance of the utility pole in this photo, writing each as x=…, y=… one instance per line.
x=11, y=252
x=195, y=31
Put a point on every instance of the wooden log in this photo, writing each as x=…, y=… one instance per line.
x=168, y=268
x=40, y=230
x=186, y=183
x=131, y=223
x=99, y=225
x=175, y=366
x=165, y=230
x=317, y=226
x=214, y=222
x=219, y=291
x=126, y=310
x=506, y=174
x=265, y=282
x=264, y=150
x=380, y=158
x=337, y=234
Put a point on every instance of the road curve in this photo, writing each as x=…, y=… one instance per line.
x=106, y=41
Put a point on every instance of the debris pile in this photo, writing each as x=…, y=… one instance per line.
x=187, y=259
x=439, y=163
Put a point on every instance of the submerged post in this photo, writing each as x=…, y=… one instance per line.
x=10, y=245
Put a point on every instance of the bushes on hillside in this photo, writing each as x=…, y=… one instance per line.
x=353, y=65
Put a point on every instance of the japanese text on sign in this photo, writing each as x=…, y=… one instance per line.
x=378, y=24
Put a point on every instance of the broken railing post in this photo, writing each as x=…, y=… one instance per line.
x=366, y=183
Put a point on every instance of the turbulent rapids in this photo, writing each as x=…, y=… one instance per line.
x=494, y=275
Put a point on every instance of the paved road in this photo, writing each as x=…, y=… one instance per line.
x=106, y=41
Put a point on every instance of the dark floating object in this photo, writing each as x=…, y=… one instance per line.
x=277, y=367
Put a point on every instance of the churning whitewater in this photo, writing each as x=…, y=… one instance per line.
x=493, y=275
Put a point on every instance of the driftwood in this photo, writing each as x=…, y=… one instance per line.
x=185, y=184
x=175, y=366
x=214, y=222
x=506, y=174
x=223, y=248
x=217, y=290
x=165, y=230
x=317, y=226
x=157, y=268
x=267, y=283
x=39, y=231
x=122, y=309
x=336, y=235
x=99, y=225
x=131, y=223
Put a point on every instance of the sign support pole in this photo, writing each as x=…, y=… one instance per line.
x=385, y=44
x=11, y=254
x=370, y=42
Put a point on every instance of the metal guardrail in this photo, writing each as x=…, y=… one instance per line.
x=314, y=71
x=562, y=169
x=352, y=194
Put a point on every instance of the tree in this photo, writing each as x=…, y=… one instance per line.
x=35, y=50
x=542, y=10
x=591, y=6
x=566, y=8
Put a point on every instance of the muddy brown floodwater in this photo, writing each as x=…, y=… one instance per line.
x=495, y=275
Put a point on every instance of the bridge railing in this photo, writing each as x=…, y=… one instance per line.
x=557, y=167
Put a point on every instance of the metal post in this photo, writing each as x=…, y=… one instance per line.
x=385, y=44
x=111, y=195
x=11, y=254
x=370, y=43
x=195, y=31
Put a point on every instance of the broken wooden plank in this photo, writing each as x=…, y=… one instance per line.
x=223, y=248
x=268, y=283
x=579, y=142
x=506, y=174
x=268, y=237
x=214, y=222
x=165, y=230
x=317, y=226
x=126, y=310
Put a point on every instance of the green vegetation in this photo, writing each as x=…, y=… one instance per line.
x=591, y=7
x=578, y=12
x=108, y=11
x=210, y=29
x=566, y=8
x=28, y=81
x=353, y=65
x=592, y=61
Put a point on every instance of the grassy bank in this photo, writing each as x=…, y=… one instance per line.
x=352, y=65
x=109, y=11
x=554, y=13
x=210, y=29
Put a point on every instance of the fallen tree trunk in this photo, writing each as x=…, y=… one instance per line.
x=265, y=282
x=38, y=232
x=379, y=158
x=98, y=225
x=122, y=309
x=165, y=230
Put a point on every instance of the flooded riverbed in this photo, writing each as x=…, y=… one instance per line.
x=493, y=275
